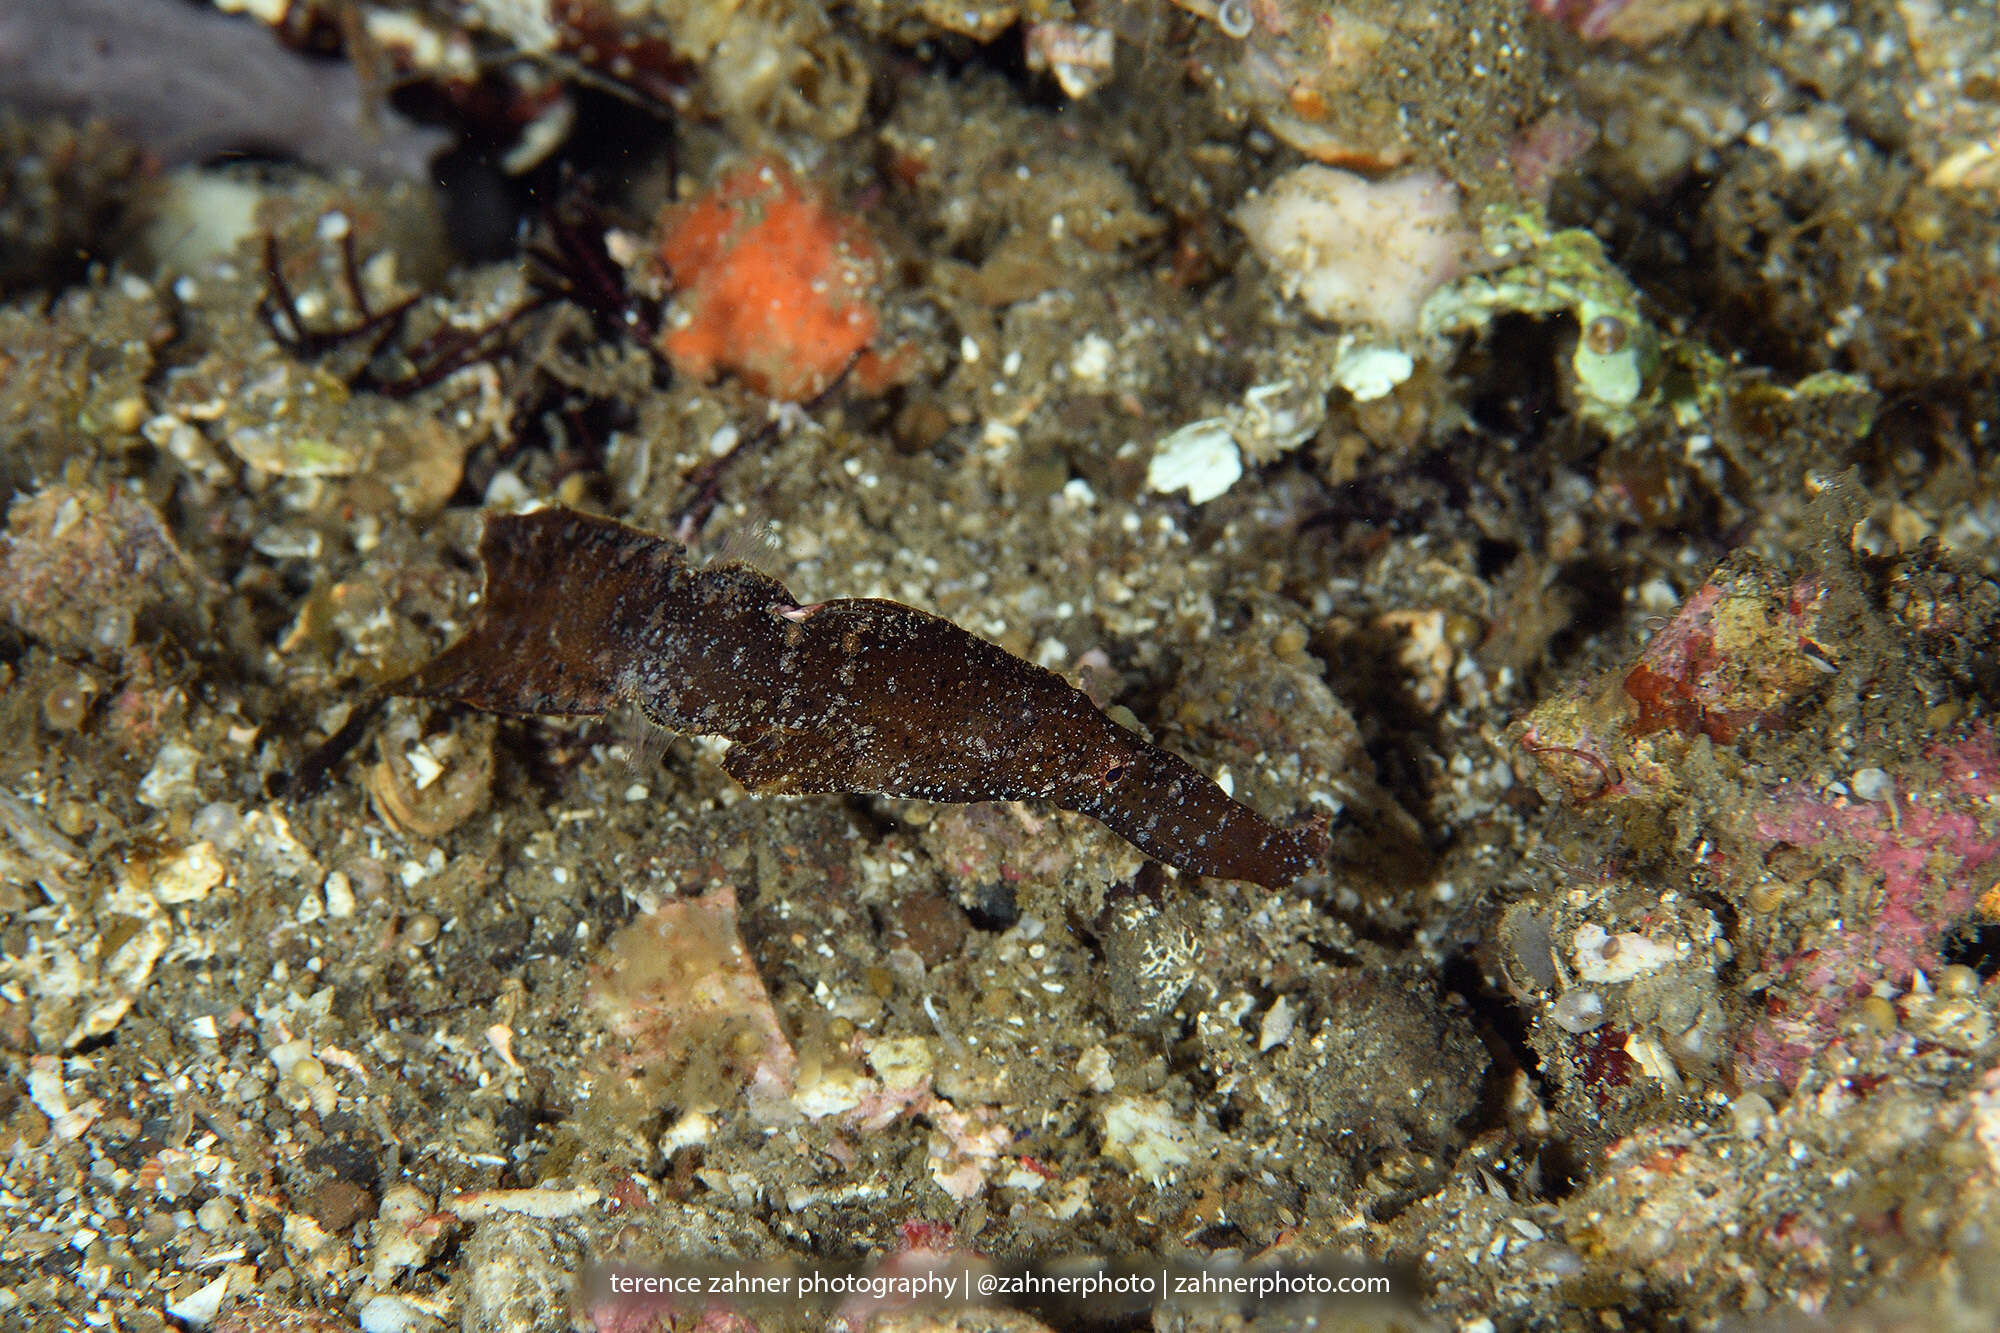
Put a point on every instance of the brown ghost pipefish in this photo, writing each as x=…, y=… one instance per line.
x=855, y=695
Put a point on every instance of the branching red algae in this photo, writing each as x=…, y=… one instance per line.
x=855, y=695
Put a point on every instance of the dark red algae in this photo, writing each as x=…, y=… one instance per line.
x=581, y=614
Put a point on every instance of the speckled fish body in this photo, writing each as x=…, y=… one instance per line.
x=854, y=695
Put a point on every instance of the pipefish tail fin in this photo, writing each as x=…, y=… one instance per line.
x=563, y=598
x=1167, y=809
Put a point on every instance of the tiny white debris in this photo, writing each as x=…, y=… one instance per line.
x=1601, y=957
x=834, y=1091
x=199, y=1307
x=1278, y=417
x=1090, y=359
x=1372, y=371
x=288, y=1053
x=474, y=1205
x=400, y=1243
x=302, y=1234
x=1074, y=1199
x=901, y=1061
x=424, y=766
x=501, y=1038
x=1094, y=1069
x=171, y=776
x=693, y=1127
x=1200, y=458
x=1144, y=1133
x=391, y=1314
x=1652, y=1057
x=1577, y=1011
x=416, y=42
x=1751, y=1115
x=1279, y=1020
x=1020, y=1178
x=124, y=974
x=46, y=1091
x=339, y=891
x=271, y=12
x=1079, y=56
x=506, y=492
x=190, y=876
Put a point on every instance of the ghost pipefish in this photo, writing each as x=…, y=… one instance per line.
x=861, y=695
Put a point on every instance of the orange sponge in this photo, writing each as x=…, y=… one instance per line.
x=770, y=284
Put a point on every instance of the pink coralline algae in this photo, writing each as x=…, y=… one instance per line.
x=1591, y=19
x=1735, y=658
x=1934, y=850
x=1624, y=21
x=1743, y=655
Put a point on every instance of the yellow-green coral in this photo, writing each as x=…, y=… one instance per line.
x=1622, y=368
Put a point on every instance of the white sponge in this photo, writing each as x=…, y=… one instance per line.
x=1359, y=251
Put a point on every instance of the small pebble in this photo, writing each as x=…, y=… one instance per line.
x=199, y=1306
x=339, y=1204
x=73, y=818
x=216, y=1216
x=1577, y=1011
x=66, y=707
x=1958, y=981
x=339, y=893
x=1767, y=894
x=390, y=1314
x=1872, y=784
x=1750, y=1113
x=218, y=822
x=1876, y=1014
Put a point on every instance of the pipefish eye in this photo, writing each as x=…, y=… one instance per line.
x=1111, y=773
